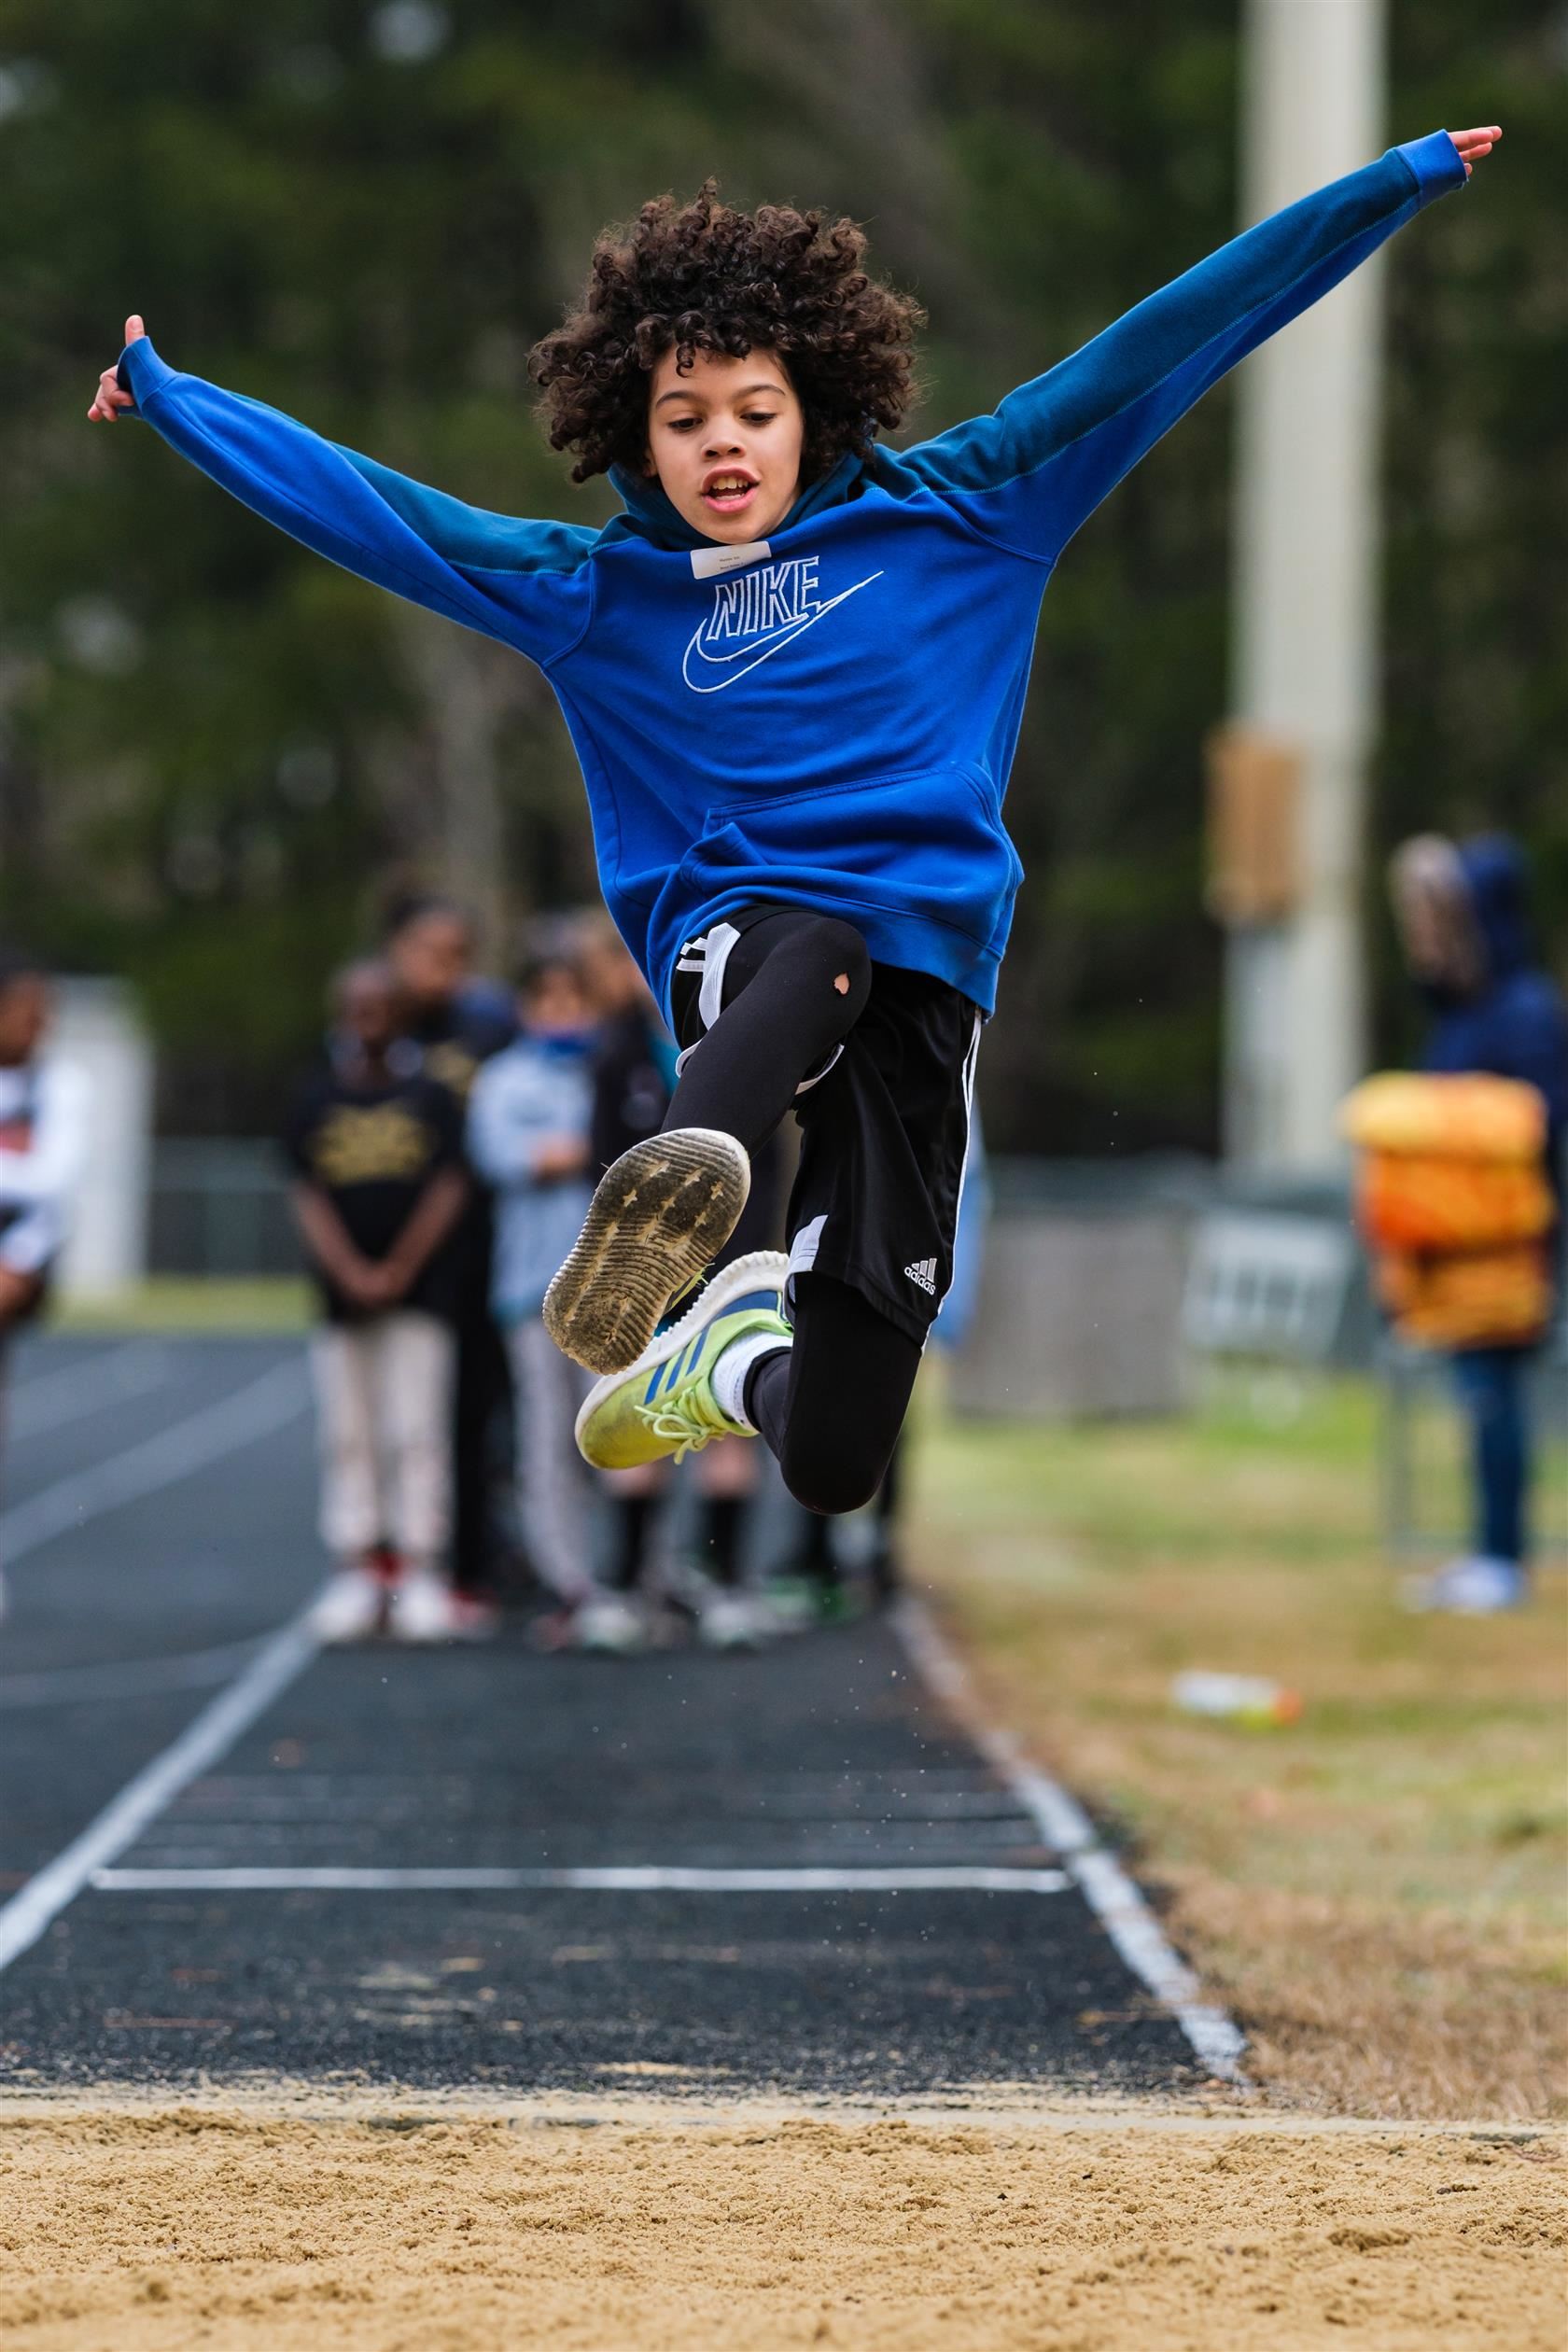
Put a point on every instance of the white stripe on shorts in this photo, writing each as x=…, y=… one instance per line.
x=718, y=943
x=804, y=1247
x=971, y=1060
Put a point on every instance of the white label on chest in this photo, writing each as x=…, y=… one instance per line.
x=711, y=563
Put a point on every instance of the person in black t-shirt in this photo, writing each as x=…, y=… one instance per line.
x=452, y=1022
x=379, y=1189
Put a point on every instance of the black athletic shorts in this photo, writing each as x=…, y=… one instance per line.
x=884, y=1128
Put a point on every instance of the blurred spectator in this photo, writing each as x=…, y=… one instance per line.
x=452, y=1023
x=43, y=1144
x=380, y=1186
x=527, y=1139
x=635, y=1058
x=1463, y=919
x=634, y=1078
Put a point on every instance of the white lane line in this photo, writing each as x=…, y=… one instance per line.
x=1068, y=1831
x=124, y=1678
x=205, y=1437
x=29, y=1911
x=640, y=1878
x=24, y=1383
x=55, y=1399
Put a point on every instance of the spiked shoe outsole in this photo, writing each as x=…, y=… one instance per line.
x=659, y=1216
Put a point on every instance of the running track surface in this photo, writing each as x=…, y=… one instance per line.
x=157, y=1528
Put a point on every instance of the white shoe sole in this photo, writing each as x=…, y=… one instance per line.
x=659, y=1215
x=340, y=1618
x=747, y=1637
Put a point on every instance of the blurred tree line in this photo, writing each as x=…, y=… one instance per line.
x=216, y=753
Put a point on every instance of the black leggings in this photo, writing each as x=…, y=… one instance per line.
x=831, y=1407
x=796, y=984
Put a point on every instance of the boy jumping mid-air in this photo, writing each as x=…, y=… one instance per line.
x=793, y=668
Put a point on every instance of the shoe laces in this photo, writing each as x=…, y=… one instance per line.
x=688, y=1423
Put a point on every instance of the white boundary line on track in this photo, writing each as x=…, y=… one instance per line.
x=1068, y=1831
x=55, y=1399
x=37, y=1904
x=25, y=1383
x=638, y=1878
x=252, y=1411
x=125, y=1678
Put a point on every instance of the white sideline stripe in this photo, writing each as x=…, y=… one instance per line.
x=31, y=1911
x=638, y=1878
x=252, y=1411
x=1068, y=1831
x=24, y=1383
x=124, y=1678
x=56, y=1398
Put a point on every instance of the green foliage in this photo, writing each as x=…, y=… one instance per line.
x=214, y=752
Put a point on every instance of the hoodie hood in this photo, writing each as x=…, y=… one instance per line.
x=650, y=516
x=1495, y=875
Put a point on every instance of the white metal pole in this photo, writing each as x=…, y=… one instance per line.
x=1305, y=626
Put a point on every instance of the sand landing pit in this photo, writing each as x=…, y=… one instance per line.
x=381, y=2229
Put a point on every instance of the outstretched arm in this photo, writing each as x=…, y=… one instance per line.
x=520, y=582
x=1028, y=474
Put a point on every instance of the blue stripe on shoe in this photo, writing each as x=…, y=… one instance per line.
x=674, y=1367
x=767, y=1299
x=682, y=1362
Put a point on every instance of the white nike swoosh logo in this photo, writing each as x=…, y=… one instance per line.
x=761, y=650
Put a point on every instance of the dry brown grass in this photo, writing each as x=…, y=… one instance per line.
x=1378, y=1890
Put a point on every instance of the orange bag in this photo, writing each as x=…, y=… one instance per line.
x=1467, y=1115
x=1486, y=1298
x=1453, y=1199
x=1405, y=1201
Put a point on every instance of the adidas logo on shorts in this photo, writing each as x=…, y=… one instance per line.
x=924, y=1272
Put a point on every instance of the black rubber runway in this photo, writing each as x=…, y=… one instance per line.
x=131, y=1611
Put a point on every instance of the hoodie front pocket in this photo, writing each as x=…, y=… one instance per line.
x=927, y=843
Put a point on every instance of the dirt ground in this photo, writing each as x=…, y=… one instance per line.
x=371, y=2231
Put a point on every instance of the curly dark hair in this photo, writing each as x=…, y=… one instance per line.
x=701, y=277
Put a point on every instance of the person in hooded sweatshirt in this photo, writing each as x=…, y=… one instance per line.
x=1463, y=919
x=635, y=1075
x=793, y=668
x=528, y=1119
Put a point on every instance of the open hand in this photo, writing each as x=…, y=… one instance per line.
x=110, y=398
x=1472, y=146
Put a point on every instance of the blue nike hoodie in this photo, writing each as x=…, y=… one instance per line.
x=825, y=717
